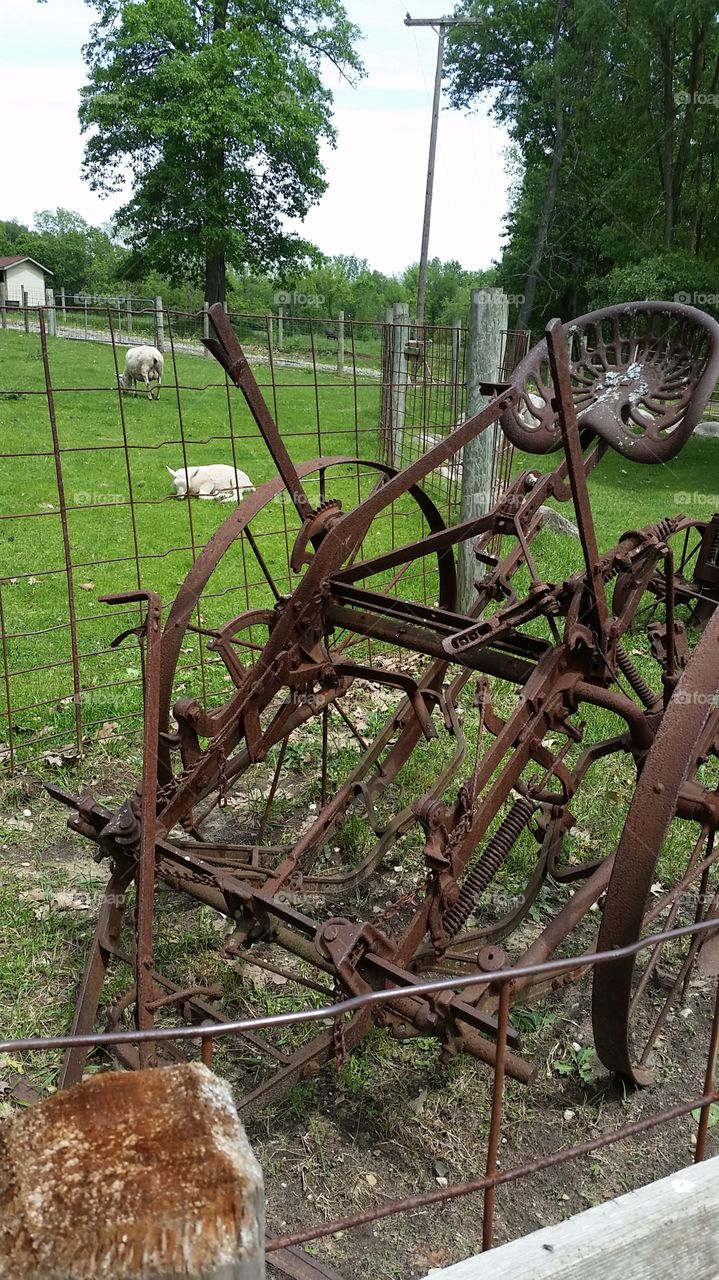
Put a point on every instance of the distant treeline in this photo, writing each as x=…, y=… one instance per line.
x=91, y=260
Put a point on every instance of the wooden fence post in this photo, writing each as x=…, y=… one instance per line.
x=128, y=315
x=63, y=304
x=26, y=312
x=488, y=317
x=51, y=313
x=341, y=342
x=3, y=308
x=206, y=326
x=159, y=324
x=280, y=328
x=400, y=338
x=86, y=332
x=111, y=1207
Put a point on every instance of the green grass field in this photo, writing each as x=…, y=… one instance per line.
x=119, y=501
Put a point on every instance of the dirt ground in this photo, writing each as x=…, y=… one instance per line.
x=393, y=1120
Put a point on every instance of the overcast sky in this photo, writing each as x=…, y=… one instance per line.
x=373, y=206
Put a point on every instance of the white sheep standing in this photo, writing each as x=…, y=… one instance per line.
x=216, y=481
x=142, y=364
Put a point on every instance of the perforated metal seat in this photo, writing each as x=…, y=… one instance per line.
x=641, y=373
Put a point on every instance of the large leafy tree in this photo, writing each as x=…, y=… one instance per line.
x=612, y=110
x=216, y=111
x=80, y=256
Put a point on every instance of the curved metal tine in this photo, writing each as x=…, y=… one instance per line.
x=228, y=352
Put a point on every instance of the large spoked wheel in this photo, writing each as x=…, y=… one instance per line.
x=695, y=599
x=669, y=835
x=335, y=750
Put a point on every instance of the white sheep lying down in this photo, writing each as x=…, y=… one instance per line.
x=143, y=364
x=217, y=481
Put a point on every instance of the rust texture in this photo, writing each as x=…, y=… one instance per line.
x=633, y=379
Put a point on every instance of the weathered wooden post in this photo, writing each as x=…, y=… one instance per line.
x=63, y=304
x=26, y=312
x=86, y=330
x=51, y=313
x=341, y=342
x=280, y=328
x=128, y=315
x=488, y=317
x=159, y=324
x=400, y=338
x=206, y=326
x=3, y=305
x=132, y=1175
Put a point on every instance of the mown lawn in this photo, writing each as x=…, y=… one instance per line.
x=119, y=501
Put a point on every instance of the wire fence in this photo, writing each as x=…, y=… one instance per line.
x=88, y=508
x=698, y=1088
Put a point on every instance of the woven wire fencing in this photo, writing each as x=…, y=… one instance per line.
x=88, y=509
x=503, y=1162
x=424, y=396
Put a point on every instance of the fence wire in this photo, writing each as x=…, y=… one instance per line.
x=88, y=507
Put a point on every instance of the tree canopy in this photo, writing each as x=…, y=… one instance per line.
x=613, y=113
x=216, y=111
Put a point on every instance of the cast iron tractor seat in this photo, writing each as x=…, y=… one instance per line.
x=641, y=374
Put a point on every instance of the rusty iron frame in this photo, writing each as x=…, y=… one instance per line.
x=632, y=378
x=656, y=380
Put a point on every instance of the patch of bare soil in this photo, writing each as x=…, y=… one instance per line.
x=395, y=1120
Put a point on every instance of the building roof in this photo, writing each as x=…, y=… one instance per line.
x=22, y=257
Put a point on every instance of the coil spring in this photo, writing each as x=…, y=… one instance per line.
x=638, y=683
x=488, y=865
x=663, y=528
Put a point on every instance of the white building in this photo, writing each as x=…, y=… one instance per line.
x=20, y=272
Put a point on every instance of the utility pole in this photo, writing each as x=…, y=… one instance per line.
x=441, y=26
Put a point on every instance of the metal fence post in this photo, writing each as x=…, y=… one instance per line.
x=159, y=324
x=51, y=313
x=341, y=342
x=454, y=387
x=488, y=317
x=400, y=338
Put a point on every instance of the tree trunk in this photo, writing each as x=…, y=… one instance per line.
x=540, y=240
x=667, y=47
x=215, y=278
x=550, y=194
x=215, y=265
